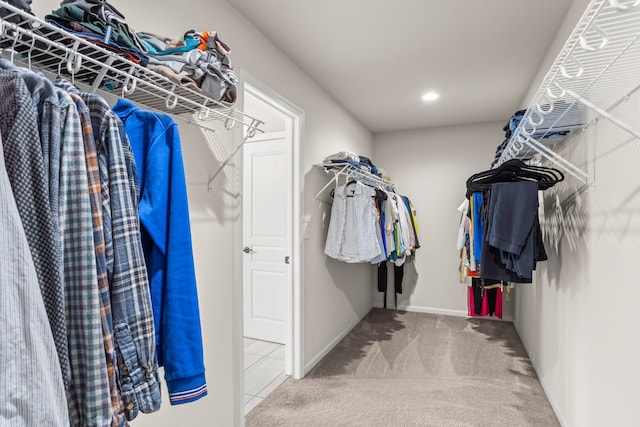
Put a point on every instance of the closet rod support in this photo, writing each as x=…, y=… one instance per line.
x=103, y=72
x=336, y=173
x=603, y=113
x=226, y=162
x=552, y=156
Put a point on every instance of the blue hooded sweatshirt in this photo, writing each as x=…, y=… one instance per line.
x=166, y=239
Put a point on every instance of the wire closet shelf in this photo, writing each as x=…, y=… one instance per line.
x=596, y=70
x=350, y=171
x=34, y=43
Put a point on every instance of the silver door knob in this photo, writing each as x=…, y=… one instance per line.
x=247, y=250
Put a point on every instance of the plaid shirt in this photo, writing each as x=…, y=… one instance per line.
x=95, y=194
x=89, y=395
x=130, y=297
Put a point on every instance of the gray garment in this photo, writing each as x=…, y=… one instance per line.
x=45, y=99
x=513, y=210
x=513, y=207
x=206, y=67
x=352, y=236
x=22, y=4
x=31, y=388
x=181, y=79
x=25, y=167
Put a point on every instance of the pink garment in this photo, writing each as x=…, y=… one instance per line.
x=485, y=304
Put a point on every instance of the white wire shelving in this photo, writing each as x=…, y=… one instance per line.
x=35, y=44
x=597, y=69
x=350, y=171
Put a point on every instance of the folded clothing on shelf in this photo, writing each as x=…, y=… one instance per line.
x=561, y=116
x=12, y=17
x=95, y=20
x=342, y=155
x=202, y=58
x=355, y=160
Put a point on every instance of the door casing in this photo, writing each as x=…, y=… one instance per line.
x=294, y=351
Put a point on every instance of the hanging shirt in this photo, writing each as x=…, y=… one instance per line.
x=45, y=100
x=414, y=221
x=478, y=226
x=31, y=391
x=391, y=219
x=89, y=401
x=25, y=168
x=379, y=235
x=464, y=224
x=164, y=216
x=95, y=194
x=130, y=298
x=352, y=235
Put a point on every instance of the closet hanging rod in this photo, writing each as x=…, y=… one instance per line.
x=31, y=42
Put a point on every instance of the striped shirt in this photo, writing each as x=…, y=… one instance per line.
x=31, y=388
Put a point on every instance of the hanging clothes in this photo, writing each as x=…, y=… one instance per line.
x=504, y=241
x=131, y=308
x=25, y=168
x=352, y=235
x=166, y=238
x=74, y=184
x=499, y=237
x=89, y=392
x=370, y=224
x=401, y=240
x=75, y=102
x=484, y=299
x=28, y=353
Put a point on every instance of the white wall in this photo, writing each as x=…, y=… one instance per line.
x=336, y=295
x=431, y=167
x=578, y=322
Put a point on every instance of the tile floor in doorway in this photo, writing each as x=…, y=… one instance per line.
x=263, y=370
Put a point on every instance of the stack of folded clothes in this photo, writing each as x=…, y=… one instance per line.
x=360, y=162
x=200, y=61
x=20, y=4
x=102, y=24
x=560, y=109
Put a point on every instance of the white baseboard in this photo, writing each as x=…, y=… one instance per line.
x=430, y=310
x=443, y=311
x=318, y=357
x=555, y=407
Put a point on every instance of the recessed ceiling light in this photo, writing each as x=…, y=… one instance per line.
x=430, y=96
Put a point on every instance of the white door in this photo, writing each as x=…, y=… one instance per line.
x=267, y=224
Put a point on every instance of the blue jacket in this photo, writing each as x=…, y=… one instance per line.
x=166, y=239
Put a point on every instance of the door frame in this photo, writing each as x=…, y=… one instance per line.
x=294, y=354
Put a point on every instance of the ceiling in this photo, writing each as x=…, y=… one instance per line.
x=377, y=57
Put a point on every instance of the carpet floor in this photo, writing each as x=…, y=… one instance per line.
x=413, y=369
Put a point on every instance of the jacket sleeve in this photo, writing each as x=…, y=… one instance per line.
x=164, y=214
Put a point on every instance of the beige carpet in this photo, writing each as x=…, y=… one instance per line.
x=412, y=369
